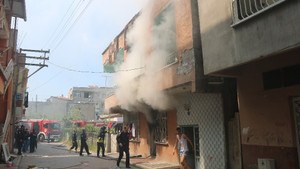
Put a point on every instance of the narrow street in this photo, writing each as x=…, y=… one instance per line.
x=56, y=156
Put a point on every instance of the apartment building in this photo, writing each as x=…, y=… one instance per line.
x=161, y=84
x=10, y=11
x=257, y=43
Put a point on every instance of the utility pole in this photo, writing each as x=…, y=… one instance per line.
x=16, y=76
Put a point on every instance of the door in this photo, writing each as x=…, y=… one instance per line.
x=190, y=132
x=36, y=127
x=197, y=147
x=296, y=111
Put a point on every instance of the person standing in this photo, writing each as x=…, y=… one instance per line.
x=74, y=141
x=49, y=136
x=123, y=142
x=20, y=135
x=83, y=143
x=33, y=140
x=100, y=142
x=26, y=140
x=182, y=138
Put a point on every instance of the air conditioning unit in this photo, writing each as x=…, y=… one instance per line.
x=266, y=163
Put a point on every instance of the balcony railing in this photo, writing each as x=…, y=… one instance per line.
x=243, y=10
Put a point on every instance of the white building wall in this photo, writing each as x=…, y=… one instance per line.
x=206, y=111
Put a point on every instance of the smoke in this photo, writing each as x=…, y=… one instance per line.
x=141, y=90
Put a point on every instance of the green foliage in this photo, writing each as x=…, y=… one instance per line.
x=73, y=115
x=91, y=128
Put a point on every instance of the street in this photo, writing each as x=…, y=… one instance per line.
x=56, y=156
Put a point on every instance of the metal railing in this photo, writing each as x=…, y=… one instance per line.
x=245, y=9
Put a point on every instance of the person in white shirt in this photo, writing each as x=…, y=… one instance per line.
x=182, y=139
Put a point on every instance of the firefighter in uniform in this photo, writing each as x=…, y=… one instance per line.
x=33, y=140
x=123, y=141
x=83, y=143
x=74, y=141
x=100, y=142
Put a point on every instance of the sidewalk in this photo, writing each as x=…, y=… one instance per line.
x=16, y=162
x=145, y=163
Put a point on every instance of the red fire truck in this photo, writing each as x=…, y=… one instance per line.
x=44, y=128
x=79, y=123
x=96, y=123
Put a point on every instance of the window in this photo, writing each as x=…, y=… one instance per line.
x=245, y=9
x=165, y=35
x=86, y=94
x=161, y=130
x=284, y=77
x=45, y=125
x=55, y=126
x=272, y=79
x=77, y=94
x=132, y=119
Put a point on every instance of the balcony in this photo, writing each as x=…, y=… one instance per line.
x=243, y=10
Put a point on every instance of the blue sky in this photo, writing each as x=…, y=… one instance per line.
x=82, y=47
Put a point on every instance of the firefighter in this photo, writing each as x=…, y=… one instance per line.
x=123, y=141
x=33, y=140
x=74, y=141
x=20, y=136
x=83, y=143
x=48, y=136
x=100, y=142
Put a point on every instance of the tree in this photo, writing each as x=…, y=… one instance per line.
x=73, y=115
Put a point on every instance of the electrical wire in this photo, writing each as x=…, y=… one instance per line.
x=76, y=20
x=85, y=71
x=52, y=35
x=64, y=27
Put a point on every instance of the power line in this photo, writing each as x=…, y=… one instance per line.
x=77, y=19
x=68, y=21
x=59, y=25
x=85, y=71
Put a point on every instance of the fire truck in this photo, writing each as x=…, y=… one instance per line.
x=79, y=123
x=96, y=123
x=44, y=128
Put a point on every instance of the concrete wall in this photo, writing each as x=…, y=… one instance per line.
x=267, y=124
x=165, y=152
x=141, y=147
x=51, y=110
x=206, y=111
x=110, y=101
x=224, y=47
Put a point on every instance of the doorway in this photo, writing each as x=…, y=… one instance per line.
x=296, y=112
x=193, y=157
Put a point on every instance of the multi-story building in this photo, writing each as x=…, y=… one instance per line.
x=257, y=43
x=89, y=100
x=8, y=60
x=161, y=85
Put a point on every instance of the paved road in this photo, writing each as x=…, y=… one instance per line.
x=56, y=156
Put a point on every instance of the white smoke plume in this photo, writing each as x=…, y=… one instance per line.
x=141, y=89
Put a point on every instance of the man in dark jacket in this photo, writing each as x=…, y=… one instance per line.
x=100, y=141
x=123, y=142
x=74, y=141
x=20, y=136
x=83, y=143
x=33, y=140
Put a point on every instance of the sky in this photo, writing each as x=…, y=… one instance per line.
x=76, y=32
